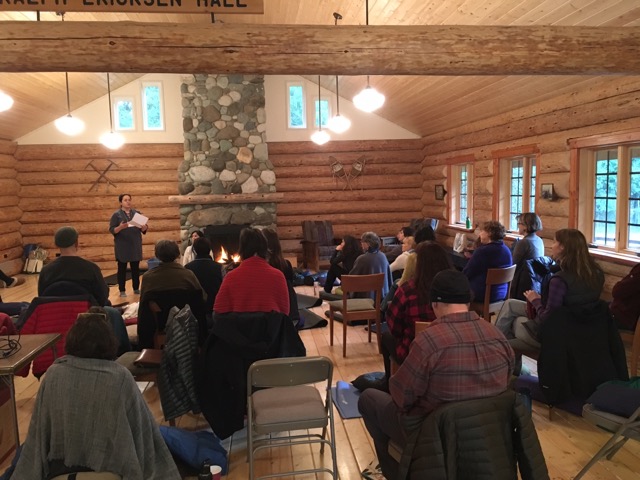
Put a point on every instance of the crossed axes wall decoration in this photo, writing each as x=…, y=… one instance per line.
x=338, y=171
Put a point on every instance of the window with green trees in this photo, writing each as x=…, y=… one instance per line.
x=152, y=108
x=297, y=117
x=124, y=113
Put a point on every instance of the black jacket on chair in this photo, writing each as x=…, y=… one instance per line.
x=485, y=438
x=530, y=275
x=236, y=341
x=580, y=348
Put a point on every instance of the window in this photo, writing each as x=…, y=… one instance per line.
x=297, y=115
x=522, y=189
x=461, y=193
x=123, y=113
x=152, y=109
x=609, y=196
x=323, y=111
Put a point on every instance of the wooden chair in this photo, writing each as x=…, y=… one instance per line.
x=634, y=339
x=317, y=243
x=420, y=327
x=353, y=309
x=495, y=276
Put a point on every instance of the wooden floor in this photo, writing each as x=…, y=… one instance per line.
x=568, y=442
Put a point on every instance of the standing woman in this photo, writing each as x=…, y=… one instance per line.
x=128, y=243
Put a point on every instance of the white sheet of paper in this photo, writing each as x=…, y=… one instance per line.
x=138, y=220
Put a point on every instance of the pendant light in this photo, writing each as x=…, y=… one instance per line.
x=69, y=125
x=6, y=102
x=338, y=123
x=111, y=139
x=369, y=99
x=320, y=137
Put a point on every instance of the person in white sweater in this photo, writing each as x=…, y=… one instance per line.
x=408, y=245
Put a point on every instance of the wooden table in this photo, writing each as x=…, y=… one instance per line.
x=30, y=347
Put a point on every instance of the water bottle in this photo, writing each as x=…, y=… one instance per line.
x=205, y=471
x=468, y=223
x=315, y=288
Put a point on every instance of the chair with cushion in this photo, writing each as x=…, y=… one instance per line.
x=271, y=381
x=616, y=409
x=495, y=276
x=354, y=309
x=317, y=243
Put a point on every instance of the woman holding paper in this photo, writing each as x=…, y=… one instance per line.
x=127, y=226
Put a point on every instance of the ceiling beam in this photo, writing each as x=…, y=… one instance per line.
x=309, y=49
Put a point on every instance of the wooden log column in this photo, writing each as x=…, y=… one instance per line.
x=10, y=213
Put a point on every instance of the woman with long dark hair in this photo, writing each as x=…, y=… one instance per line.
x=189, y=254
x=578, y=282
x=342, y=260
x=411, y=303
x=277, y=260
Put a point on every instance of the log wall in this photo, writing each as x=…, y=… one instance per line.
x=10, y=213
x=67, y=185
x=383, y=199
x=548, y=126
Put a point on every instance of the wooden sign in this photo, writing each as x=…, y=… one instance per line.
x=137, y=6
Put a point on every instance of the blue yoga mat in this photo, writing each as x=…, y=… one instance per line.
x=345, y=398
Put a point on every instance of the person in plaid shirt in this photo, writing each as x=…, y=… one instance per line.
x=458, y=357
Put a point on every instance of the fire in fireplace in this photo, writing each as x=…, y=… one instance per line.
x=225, y=240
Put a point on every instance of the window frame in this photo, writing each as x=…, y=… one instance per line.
x=143, y=105
x=581, y=206
x=116, y=118
x=319, y=101
x=502, y=161
x=454, y=170
x=304, y=105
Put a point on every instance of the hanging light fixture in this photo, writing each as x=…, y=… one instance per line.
x=69, y=125
x=320, y=137
x=338, y=123
x=111, y=139
x=6, y=102
x=368, y=99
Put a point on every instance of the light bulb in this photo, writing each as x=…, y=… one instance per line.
x=6, y=102
x=69, y=125
x=112, y=140
x=320, y=137
x=339, y=124
x=368, y=99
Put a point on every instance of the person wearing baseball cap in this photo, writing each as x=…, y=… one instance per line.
x=458, y=357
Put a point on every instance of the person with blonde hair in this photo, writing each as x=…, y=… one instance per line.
x=408, y=245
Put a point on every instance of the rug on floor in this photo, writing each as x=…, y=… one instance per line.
x=311, y=320
x=345, y=398
x=307, y=301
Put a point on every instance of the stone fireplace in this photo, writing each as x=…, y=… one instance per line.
x=226, y=177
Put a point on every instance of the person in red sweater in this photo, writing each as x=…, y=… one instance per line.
x=254, y=286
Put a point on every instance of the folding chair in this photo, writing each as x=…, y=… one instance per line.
x=281, y=399
x=623, y=427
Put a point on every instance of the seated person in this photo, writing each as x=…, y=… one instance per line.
x=372, y=261
x=342, y=260
x=208, y=272
x=458, y=357
x=277, y=260
x=408, y=244
x=60, y=277
x=492, y=253
x=89, y=415
x=530, y=245
x=169, y=275
x=9, y=282
x=424, y=234
x=254, y=286
x=578, y=282
x=411, y=304
x=395, y=250
x=625, y=306
x=189, y=253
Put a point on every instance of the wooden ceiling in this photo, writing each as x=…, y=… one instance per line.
x=425, y=105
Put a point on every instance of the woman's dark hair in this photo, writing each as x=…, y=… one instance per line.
x=167, y=251
x=252, y=242
x=575, y=257
x=425, y=234
x=351, y=246
x=122, y=195
x=276, y=260
x=198, y=233
x=531, y=222
x=495, y=230
x=91, y=336
x=431, y=259
x=407, y=231
x=202, y=247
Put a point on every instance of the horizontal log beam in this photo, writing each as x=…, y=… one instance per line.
x=318, y=49
x=231, y=198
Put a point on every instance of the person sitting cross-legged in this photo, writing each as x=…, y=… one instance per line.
x=458, y=357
